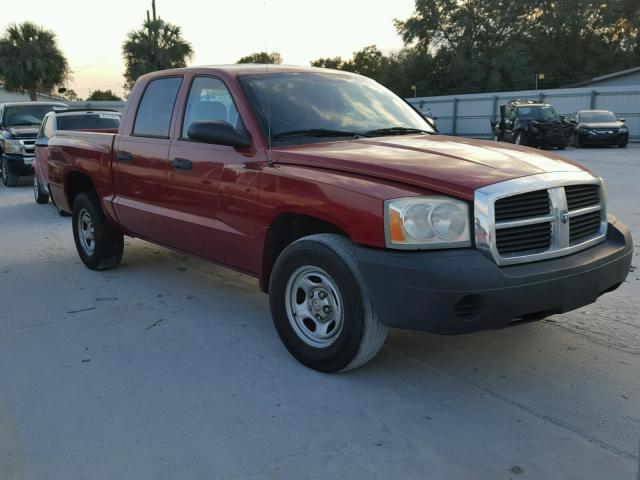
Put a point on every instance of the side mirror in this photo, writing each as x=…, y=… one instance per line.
x=621, y=120
x=42, y=142
x=217, y=132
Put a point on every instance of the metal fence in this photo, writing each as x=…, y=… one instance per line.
x=469, y=115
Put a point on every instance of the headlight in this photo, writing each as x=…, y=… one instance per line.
x=12, y=146
x=427, y=222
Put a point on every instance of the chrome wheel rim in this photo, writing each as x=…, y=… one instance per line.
x=86, y=233
x=3, y=168
x=519, y=139
x=36, y=189
x=314, y=306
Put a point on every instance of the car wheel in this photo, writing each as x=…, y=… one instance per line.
x=40, y=196
x=9, y=179
x=495, y=138
x=320, y=307
x=576, y=141
x=99, y=245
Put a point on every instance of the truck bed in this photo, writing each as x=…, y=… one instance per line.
x=78, y=153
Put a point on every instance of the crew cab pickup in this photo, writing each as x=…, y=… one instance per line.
x=341, y=199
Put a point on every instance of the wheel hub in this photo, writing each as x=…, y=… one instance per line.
x=314, y=306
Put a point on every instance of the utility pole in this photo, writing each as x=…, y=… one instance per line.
x=539, y=76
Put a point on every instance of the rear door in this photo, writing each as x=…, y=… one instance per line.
x=140, y=163
x=200, y=174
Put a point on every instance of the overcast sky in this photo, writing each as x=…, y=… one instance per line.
x=91, y=33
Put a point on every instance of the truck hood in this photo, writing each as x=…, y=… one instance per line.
x=23, y=132
x=453, y=165
x=603, y=125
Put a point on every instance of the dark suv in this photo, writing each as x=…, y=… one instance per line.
x=526, y=122
x=19, y=125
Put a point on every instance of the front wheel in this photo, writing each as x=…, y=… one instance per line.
x=320, y=307
x=99, y=245
x=9, y=179
x=40, y=196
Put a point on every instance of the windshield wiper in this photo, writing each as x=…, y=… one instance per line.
x=318, y=132
x=396, y=131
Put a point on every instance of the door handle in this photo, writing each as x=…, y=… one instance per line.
x=182, y=164
x=123, y=156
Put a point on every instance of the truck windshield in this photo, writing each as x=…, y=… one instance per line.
x=597, y=117
x=537, y=113
x=312, y=107
x=26, y=115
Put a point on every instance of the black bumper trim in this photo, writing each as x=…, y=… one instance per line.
x=461, y=290
x=16, y=165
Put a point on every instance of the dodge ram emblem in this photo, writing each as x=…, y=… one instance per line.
x=564, y=216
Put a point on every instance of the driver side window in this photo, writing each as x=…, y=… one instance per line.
x=209, y=99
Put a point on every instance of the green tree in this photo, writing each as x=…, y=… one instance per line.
x=30, y=60
x=103, y=95
x=158, y=45
x=262, y=57
x=69, y=94
x=336, y=63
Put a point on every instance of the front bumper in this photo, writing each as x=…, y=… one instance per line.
x=619, y=138
x=18, y=164
x=461, y=290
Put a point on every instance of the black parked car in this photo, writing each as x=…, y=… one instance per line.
x=598, y=127
x=19, y=125
x=526, y=122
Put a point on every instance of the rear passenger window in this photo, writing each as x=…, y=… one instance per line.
x=154, y=113
x=209, y=99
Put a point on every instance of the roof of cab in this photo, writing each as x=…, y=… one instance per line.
x=253, y=69
x=23, y=104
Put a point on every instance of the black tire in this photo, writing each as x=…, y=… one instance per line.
x=40, y=196
x=9, y=178
x=361, y=334
x=576, y=141
x=105, y=249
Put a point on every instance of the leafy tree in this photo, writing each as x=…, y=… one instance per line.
x=262, y=57
x=103, y=95
x=30, y=60
x=336, y=63
x=69, y=94
x=158, y=45
x=478, y=45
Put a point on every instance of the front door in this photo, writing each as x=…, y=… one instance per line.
x=198, y=173
x=140, y=165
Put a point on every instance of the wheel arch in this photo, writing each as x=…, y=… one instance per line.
x=284, y=229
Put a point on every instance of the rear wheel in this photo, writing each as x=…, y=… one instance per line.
x=320, y=307
x=520, y=138
x=99, y=245
x=40, y=196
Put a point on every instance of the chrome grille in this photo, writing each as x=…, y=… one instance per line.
x=580, y=196
x=539, y=217
x=28, y=147
x=525, y=205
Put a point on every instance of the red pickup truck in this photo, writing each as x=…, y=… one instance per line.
x=350, y=209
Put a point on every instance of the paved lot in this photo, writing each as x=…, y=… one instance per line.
x=169, y=368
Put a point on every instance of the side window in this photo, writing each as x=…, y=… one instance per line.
x=154, y=113
x=509, y=112
x=209, y=99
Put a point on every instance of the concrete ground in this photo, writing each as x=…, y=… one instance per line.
x=169, y=368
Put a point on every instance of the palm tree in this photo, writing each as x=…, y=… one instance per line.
x=30, y=60
x=158, y=45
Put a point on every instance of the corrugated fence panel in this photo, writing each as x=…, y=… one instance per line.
x=469, y=115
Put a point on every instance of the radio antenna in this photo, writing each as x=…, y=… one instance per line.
x=266, y=49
